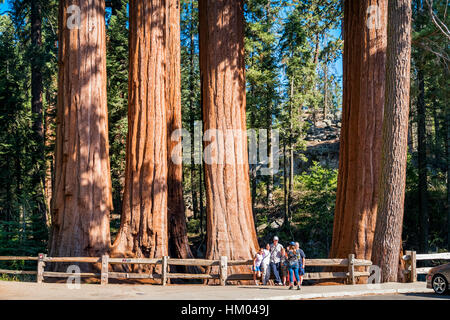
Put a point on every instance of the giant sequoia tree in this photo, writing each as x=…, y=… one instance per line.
x=360, y=142
x=178, y=241
x=230, y=226
x=388, y=232
x=81, y=201
x=143, y=231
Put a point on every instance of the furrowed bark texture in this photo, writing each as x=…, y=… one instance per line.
x=388, y=233
x=360, y=144
x=143, y=231
x=81, y=200
x=230, y=226
x=178, y=240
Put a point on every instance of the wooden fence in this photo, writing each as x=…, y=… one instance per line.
x=222, y=265
x=411, y=258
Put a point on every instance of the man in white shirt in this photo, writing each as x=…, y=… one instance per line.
x=275, y=257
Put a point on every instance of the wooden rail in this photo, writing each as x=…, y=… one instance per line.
x=411, y=258
x=223, y=275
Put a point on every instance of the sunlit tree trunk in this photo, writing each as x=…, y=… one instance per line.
x=230, y=225
x=143, y=231
x=388, y=232
x=360, y=142
x=82, y=198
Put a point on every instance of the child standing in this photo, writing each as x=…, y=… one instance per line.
x=265, y=265
x=284, y=266
x=257, y=260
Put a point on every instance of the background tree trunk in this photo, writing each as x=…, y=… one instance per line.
x=325, y=88
x=178, y=240
x=49, y=144
x=192, y=111
x=291, y=157
x=230, y=225
x=143, y=231
x=388, y=232
x=37, y=111
x=360, y=142
x=448, y=177
x=270, y=180
x=82, y=198
x=422, y=164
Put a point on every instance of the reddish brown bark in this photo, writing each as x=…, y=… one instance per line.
x=360, y=145
x=178, y=240
x=143, y=230
x=388, y=233
x=230, y=226
x=81, y=200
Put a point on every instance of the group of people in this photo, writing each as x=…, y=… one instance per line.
x=289, y=262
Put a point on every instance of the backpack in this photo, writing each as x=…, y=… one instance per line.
x=292, y=259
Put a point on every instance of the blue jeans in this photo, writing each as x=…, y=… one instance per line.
x=275, y=268
x=292, y=270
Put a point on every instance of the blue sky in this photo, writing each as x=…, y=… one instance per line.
x=4, y=7
x=338, y=65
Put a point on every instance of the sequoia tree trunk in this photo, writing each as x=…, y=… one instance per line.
x=360, y=142
x=388, y=232
x=82, y=198
x=178, y=240
x=230, y=225
x=143, y=231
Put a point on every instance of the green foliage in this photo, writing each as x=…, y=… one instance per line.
x=117, y=92
x=430, y=56
x=22, y=230
x=314, y=200
x=193, y=226
x=313, y=218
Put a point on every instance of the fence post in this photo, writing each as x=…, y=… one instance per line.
x=40, y=268
x=351, y=268
x=105, y=265
x=413, y=266
x=164, y=270
x=223, y=269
